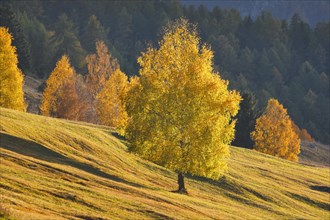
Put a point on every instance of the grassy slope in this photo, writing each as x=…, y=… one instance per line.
x=57, y=169
x=316, y=154
x=31, y=93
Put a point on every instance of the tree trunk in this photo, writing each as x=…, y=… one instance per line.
x=182, y=188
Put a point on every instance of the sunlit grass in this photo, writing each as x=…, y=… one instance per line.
x=58, y=169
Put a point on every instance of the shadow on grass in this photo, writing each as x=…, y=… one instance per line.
x=322, y=205
x=321, y=188
x=223, y=183
x=232, y=187
x=38, y=151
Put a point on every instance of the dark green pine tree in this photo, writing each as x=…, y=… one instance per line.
x=300, y=37
x=8, y=19
x=93, y=32
x=66, y=42
x=123, y=41
x=246, y=119
x=38, y=37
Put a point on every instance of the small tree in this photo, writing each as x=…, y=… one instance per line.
x=274, y=133
x=100, y=67
x=11, y=77
x=60, y=98
x=180, y=110
x=110, y=102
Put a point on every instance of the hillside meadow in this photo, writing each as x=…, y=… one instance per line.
x=59, y=169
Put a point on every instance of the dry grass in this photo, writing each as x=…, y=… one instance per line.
x=313, y=153
x=31, y=93
x=57, y=169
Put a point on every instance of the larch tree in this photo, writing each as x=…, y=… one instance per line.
x=60, y=97
x=111, y=107
x=100, y=67
x=180, y=110
x=11, y=77
x=274, y=133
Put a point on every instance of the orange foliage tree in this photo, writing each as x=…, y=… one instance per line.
x=60, y=97
x=100, y=67
x=274, y=133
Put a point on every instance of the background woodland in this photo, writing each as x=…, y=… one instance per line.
x=265, y=56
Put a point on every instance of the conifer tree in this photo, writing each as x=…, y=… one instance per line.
x=60, y=98
x=11, y=77
x=180, y=110
x=38, y=38
x=274, y=133
x=67, y=42
x=9, y=19
x=246, y=118
x=100, y=66
x=93, y=32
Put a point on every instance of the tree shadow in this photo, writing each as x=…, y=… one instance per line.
x=232, y=188
x=321, y=188
x=38, y=151
x=223, y=183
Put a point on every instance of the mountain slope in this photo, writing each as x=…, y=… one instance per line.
x=58, y=169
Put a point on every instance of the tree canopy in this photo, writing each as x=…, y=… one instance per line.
x=274, y=133
x=111, y=102
x=60, y=98
x=180, y=110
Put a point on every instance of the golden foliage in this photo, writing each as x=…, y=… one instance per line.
x=11, y=77
x=111, y=102
x=60, y=97
x=274, y=133
x=100, y=67
x=181, y=110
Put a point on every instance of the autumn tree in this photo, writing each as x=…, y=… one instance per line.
x=100, y=67
x=11, y=77
x=111, y=102
x=180, y=110
x=274, y=133
x=60, y=98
